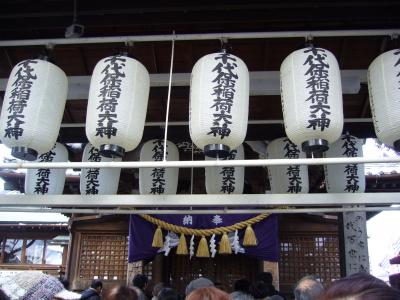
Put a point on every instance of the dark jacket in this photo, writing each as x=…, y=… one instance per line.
x=90, y=294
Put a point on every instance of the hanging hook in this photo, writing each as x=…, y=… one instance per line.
x=224, y=45
x=309, y=41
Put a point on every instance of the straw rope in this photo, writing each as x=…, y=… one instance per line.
x=205, y=232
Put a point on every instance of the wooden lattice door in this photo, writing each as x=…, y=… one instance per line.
x=223, y=270
x=308, y=254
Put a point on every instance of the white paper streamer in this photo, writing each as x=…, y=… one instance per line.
x=235, y=244
x=213, y=249
x=171, y=241
x=191, y=247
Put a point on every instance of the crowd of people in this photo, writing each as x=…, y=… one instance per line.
x=39, y=286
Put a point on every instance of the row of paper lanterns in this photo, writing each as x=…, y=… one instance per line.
x=219, y=100
x=340, y=178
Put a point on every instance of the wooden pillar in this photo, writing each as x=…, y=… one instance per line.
x=157, y=271
x=355, y=242
x=273, y=268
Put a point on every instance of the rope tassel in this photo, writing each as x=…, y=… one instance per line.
x=182, y=246
x=225, y=245
x=158, y=238
x=202, y=249
x=250, y=238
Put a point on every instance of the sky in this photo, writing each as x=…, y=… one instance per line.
x=383, y=240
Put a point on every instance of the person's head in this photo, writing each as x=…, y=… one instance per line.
x=308, y=288
x=140, y=281
x=34, y=285
x=209, y=293
x=265, y=276
x=360, y=286
x=242, y=285
x=120, y=293
x=157, y=289
x=259, y=290
x=97, y=285
x=65, y=282
x=167, y=294
x=3, y=295
x=198, y=283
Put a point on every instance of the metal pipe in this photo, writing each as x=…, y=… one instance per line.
x=234, y=201
x=197, y=211
x=202, y=36
x=201, y=163
x=250, y=122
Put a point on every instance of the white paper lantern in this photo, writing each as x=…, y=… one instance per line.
x=226, y=180
x=33, y=107
x=384, y=97
x=158, y=180
x=47, y=181
x=219, y=103
x=311, y=93
x=287, y=179
x=117, y=105
x=345, y=178
x=102, y=181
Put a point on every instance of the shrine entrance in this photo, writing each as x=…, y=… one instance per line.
x=223, y=270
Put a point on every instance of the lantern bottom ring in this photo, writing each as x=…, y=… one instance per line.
x=112, y=151
x=217, y=150
x=396, y=145
x=24, y=153
x=315, y=146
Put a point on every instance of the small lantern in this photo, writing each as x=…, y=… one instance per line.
x=102, y=181
x=226, y=180
x=384, y=95
x=33, y=107
x=158, y=180
x=311, y=92
x=345, y=178
x=47, y=181
x=219, y=103
x=117, y=105
x=287, y=179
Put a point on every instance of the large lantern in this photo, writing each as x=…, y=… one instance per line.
x=384, y=97
x=287, y=179
x=226, y=180
x=311, y=93
x=47, y=181
x=158, y=180
x=117, y=105
x=33, y=107
x=102, y=181
x=345, y=178
x=219, y=103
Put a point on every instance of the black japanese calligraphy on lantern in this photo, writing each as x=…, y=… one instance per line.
x=110, y=92
x=293, y=172
x=43, y=175
x=350, y=170
x=318, y=88
x=223, y=94
x=157, y=174
x=228, y=175
x=397, y=64
x=19, y=97
x=92, y=175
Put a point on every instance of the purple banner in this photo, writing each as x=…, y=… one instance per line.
x=141, y=234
